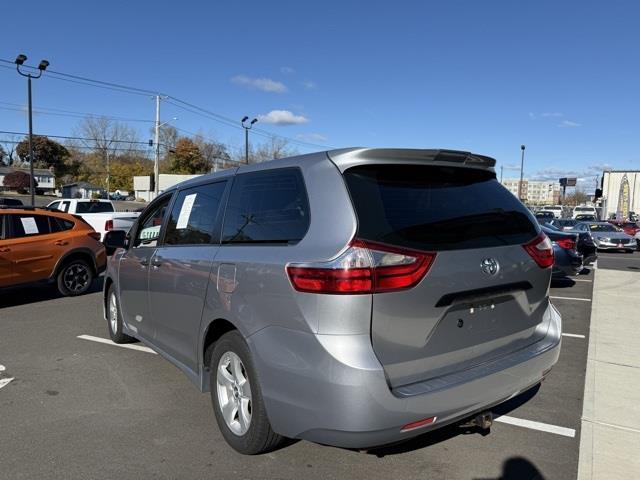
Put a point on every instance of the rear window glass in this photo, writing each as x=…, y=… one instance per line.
x=93, y=207
x=436, y=208
x=267, y=207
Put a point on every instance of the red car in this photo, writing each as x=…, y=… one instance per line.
x=630, y=228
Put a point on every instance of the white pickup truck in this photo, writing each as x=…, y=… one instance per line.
x=100, y=214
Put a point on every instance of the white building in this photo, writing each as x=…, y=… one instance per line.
x=535, y=192
x=142, y=184
x=620, y=193
x=46, y=180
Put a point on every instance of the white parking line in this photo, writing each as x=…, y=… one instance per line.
x=4, y=381
x=581, y=280
x=573, y=335
x=543, y=427
x=571, y=298
x=106, y=341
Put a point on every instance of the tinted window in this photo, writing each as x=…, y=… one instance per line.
x=436, y=208
x=194, y=215
x=602, y=228
x=10, y=201
x=93, y=207
x=148, y=230
x=28, y=225
x=59, y=224
x=267, y=207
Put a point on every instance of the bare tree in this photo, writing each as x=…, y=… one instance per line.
x=10, y=143
x=107, y=136
x=215, y=153
x=272, y=149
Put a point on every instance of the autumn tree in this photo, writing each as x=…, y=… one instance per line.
x=186, y=158
x=47, y=153
x=19, y=180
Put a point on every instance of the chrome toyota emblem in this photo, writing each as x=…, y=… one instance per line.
x=490, y=266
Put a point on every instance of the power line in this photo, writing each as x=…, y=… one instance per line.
x=195, y=109
x=68, y=113
x=67, y=137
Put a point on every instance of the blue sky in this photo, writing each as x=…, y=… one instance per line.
x=560, y=77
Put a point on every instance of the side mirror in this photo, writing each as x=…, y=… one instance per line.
x=115, y=239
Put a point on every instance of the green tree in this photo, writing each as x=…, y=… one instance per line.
x=18, y=180
x=46, y=153
x=187, y=158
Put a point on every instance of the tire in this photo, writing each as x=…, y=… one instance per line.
x=114, y=319
x=250, y=437
x=75, y=278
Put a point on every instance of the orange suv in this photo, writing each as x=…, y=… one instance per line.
x=41, y=245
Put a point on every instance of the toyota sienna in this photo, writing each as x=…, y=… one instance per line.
x=355, y=297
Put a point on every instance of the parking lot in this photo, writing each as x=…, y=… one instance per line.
x=79, y=407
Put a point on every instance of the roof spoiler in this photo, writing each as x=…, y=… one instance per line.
x=348, y=157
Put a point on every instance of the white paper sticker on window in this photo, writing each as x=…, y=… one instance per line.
x=29, y=225
x=185, y=211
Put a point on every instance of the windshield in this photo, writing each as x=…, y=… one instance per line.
x=436, y=208
x=602, y=228
x=94, y=207
x=584, y=209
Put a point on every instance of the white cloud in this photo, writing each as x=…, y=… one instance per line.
x=282, y=117
x=569, y=124
x=552, y=114
x=287, y=70
x=309, y=85
x=264, y=84
x=312, y=137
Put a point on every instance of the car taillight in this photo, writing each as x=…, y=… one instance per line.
x=108, y=225
x=541, y=250
x=566, y=243
x=365, y=267
x=94, y=235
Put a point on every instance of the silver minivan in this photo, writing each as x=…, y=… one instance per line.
x=355, y=297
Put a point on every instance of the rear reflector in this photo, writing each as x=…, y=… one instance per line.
x=541, y=250
x=420, y=423
x=108, y=225
x=365, y=267
x=95, y=235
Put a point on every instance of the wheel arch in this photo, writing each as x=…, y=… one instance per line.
x=211, y=334
x=77, y=253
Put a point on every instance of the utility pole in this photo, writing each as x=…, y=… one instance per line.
x=156, y=165
x=522, y=147
x=108, y=173
x=501, y=169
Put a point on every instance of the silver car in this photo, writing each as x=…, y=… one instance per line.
x=606, y=236
x=355, y=297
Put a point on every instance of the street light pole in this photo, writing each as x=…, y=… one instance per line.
x=156, y=164
x=247, y=127
x=522, y=147
x=20, y=59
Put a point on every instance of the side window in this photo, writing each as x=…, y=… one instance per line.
x=29, y=225
x=2, y=227
x=55, y=205
x=267, y=207
x=194, y=215
x=59, y=224
x=150, y=224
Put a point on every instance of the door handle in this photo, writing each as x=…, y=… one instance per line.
x=61, y=242
x=5, y=249
x=156, y=261
x=144, y=262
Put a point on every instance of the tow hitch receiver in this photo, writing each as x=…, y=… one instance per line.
x=483, y=421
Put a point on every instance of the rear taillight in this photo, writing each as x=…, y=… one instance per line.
x=566, y=243
x=365, y=267
x=108, y=225
x=541, y=250
x=94, y=235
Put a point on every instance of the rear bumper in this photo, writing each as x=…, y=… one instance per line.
x=332, y=389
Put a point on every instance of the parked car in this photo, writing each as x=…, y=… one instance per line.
x=556, y=210
x=38, y=245
x=584, y=217
x=100, y=214
x=355, y=297
x=13, y=202
x=564, y=223
x=607, y=237
x=584, y=210
x=567, y=260
x=637, y=237
x=544, y=217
